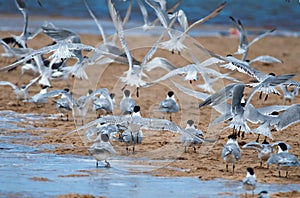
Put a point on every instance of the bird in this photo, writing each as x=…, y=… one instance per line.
x=283, y=159
x=169, y=105
x=131, y=138
x=244, y=45
x=188, y=140
x=249, y=182
x=133, y=76
x=63, y=104
x=263, y=194
x=289, y=95
x=22, y=39
x=21, y=93
x=176, y=41
x=264, y=149
x=102, y=150
x=135, y=122
x=231, y=152
x=104, y=104
x=127, y=103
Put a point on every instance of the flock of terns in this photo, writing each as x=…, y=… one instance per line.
x=237, y=113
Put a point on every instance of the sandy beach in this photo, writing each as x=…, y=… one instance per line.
x=206, y=163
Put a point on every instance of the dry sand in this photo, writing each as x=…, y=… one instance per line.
x=207, y=162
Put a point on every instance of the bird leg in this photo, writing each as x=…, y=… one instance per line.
x=226, y=167
x=260, y=95
x=96, y=164
x=137, y=92
x=107, y=164
x=171, y=117
x=266, y=98
x=233, y=166
x=257, y=139
x=122, y=89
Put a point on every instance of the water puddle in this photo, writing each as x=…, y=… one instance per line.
x=26, y=171
x=13, y=121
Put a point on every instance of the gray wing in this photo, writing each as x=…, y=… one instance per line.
x=253, y=145
x=119, y=27
x=288, y=117
x=13, y=86
x=285, y=159
x=219, y=97
x=269, y=109
x=159, y=62
x=96, y=21
x=57, y=34
x=231, y=149
x=266, y=59
x=144, y=12
x=196, y=94
x=260, y=37
x=211, y=15
x=162, y=15
x=156, y=44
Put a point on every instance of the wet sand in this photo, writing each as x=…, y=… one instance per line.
x=207, y=163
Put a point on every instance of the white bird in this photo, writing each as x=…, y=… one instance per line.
x=127, y=103
x=102, y=150
x=244, y=45
x=188, y=140
x=289, y=95
x=249, y=182
x=264, y=149
x=176, y=41
x=133, y=76
x=103, y=103
x=21, y=93
x=63, y=104
x=22, y=39
x=231, y=152
x=169, y=105
x=134, y=123
x=283, y=159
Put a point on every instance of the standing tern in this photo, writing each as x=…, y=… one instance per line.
x=187, y=140
x=102, y=150
x=127, y=103
x=283, y=159
x=231, y=152
x=169, y=105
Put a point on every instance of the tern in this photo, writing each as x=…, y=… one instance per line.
x=102, y=150
x=283, y=159
x=231, y=152
x=264, y=149
x=127, y=103
x=188, y=140
x=133, y=76
x=249, y=182
x=21, y=93
x=169, y=105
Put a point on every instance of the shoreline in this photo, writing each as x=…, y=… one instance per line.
x=88, y=26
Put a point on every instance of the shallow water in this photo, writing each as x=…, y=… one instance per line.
x=262, y=15
x=28, y=172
